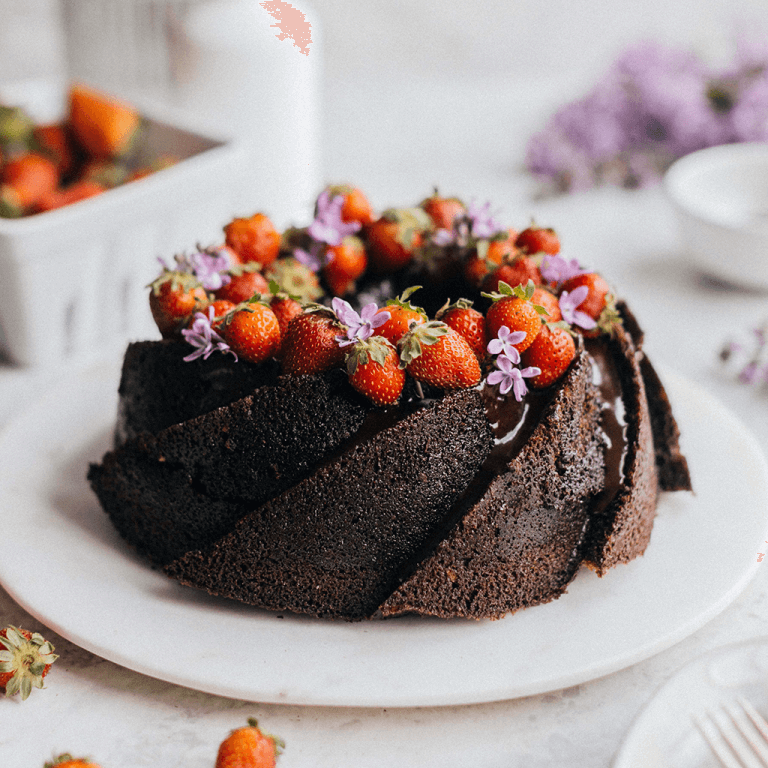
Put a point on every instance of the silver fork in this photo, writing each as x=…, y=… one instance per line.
x=737, y=734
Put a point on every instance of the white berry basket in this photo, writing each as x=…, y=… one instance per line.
x=73, y=280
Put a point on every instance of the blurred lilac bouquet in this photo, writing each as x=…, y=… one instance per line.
x=655, y=104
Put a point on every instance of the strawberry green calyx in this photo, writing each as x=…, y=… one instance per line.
x=179, y=281
x=402, y=301
x=26, y=658
x=295, y=278
x=609, y=317
x=410, y=222
x=458, y=304
x=277, y=291
x=518, y=292
x=426, y=334
x=375, y=348
x=241, y=269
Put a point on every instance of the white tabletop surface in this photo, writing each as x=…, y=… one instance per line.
x=397, y=140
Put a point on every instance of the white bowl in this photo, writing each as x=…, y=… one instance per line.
x=721, y=198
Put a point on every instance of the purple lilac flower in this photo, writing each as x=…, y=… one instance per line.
x=569, y=301
x=481, y=221
x=511, y=378
x=443, y=237
x=207, y=266
x=504, y=343
x=327, y=226
x=315, y=258
x=359, y=327
x=555, y=269
x=204, y=338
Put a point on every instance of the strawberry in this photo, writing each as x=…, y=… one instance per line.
x=548, y=301
x=67, y=761
x=295, y=278
x=25, y=660
x=285, y=306
x=356, y=206
x=467, y=322
x=252, y=331
x=500, y=248
x=401, y=314
x=443, y=210
x=538, y=240
x=436, y=354
x=513, y=308
x=248, y=747
x=310, y=344
x=552, y=352
x=253, y=239
x=517, y=272
x=174, y=297
x=597, y=296
x=348, y=261
x=245, y=281
x=393, y=238
x=374, y=371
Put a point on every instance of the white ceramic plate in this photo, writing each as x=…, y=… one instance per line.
x=665, y=736
x=69, y=569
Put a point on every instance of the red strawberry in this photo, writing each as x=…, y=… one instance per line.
x=500, y=248
x=356, y=206
x=513, y=307
x=517, y=272
x=402, y=314
x=552, y=351
x=443, y=210
x=246, y=280
x=538, y=240
x=310, y=344
x=374, y=371
x=248, y=748
x=25, y=660
x=543, y=298
x=173, y=298
x=437, y=355
x=348, y=261
x=597, y=296
x=252, y=332
x=285, y=307
x=253, y=239
x=394, y=237
x=67, y=761
x=467, y=322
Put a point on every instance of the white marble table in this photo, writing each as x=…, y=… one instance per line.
x=397, y=145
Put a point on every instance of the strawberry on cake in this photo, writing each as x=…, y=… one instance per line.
x=420, y=412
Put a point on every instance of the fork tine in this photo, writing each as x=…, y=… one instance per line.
x=717, y=742
x=754, y=729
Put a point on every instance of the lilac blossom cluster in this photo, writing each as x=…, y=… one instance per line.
x=749, y=360
x=478, y=222
x=327, y=228
x=655, y=104
x=208, y=265
x=508, y=376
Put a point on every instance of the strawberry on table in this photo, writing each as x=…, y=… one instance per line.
x=552, y=352
x=253, y=239
x=252, y=331
x=67, y=761
x=374, y=370
x=513, y=308
x=249, y=747
x=393, y=238
x=436, y=354
x=467, y=322
x=25, y=659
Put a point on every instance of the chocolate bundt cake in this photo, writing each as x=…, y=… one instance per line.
x=428, y=478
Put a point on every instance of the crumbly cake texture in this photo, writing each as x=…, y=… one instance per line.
x=335, y=544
